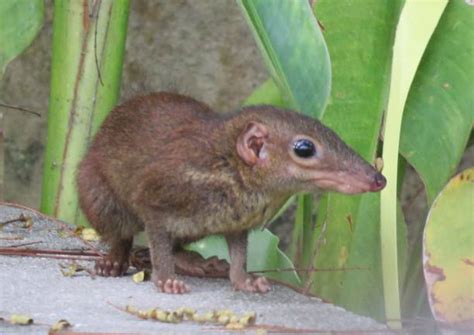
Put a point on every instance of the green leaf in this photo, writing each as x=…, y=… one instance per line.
x=413, y=296
x=267, y=94
x=263, y=254
x=294, y=50
x=448, y=251
x=213, y=245
x=439, y=113
x=364, y=267
x=360, y=36
x=20, y=21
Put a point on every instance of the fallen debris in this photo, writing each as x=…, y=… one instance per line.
x=218, y=317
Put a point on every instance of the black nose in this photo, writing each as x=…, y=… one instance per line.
x=379, y=182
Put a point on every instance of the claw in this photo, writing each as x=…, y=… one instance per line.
x=109, y=268
x=173, y=286
x=253, y=285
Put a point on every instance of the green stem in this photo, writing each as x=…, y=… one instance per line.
x=302, y=235
x=88, y=43
x=413, y=34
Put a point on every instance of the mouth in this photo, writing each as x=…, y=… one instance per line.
x=347, y=183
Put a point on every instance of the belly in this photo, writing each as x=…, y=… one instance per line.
x=226, y=219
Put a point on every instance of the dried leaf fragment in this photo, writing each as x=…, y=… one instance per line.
x=227, y=312
x=27, y=222
x=161, y=315
x=26, y=219
x=89, y=234
x=199, y=318
x=173, y=318
x=131, y=309
x=155, y=314
x=69, y=270
x=151, y=314
x=379, y=164
x=233, y=325
x=20, y=319
x=210, y=316
x=222, y=317
x=143, y=314
x=186, y=311
x=248, y=319
x=139, y=277
x=234, y=319
x=60, y=325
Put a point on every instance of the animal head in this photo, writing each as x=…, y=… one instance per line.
x=294, y=153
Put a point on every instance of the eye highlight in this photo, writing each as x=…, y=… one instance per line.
x=304, y=148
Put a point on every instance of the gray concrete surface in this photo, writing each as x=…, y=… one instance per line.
x=36, y=287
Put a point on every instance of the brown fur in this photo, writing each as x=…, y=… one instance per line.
x=168, y=164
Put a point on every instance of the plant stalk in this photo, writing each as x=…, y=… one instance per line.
x=88, y=50
x=413, y=34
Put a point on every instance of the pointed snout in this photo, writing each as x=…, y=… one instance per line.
x=378, y=183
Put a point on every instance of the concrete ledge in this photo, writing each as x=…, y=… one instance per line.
x=36, y=286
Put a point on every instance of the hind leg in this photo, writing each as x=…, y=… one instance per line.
x=113, y=221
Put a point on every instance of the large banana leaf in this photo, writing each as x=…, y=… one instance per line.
x=449, y=270
x=359, y=35
x=439, y=113
x=362, y=288
x=267, y=94
x=20, y=21
x=294, y=50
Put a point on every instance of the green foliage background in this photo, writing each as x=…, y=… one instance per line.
x=341, y=75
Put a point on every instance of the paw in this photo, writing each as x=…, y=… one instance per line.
x=172, y=286
x=254, y=285
x=109, y=268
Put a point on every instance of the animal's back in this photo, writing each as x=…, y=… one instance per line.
x=146, y=123
x=144, y=130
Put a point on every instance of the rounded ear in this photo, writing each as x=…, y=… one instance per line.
x=251, y=141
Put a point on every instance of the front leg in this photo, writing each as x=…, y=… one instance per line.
x=239, y=278
x=162, y=261
x=116, y=262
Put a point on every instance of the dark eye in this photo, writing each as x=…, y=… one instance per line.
x=304, y=148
